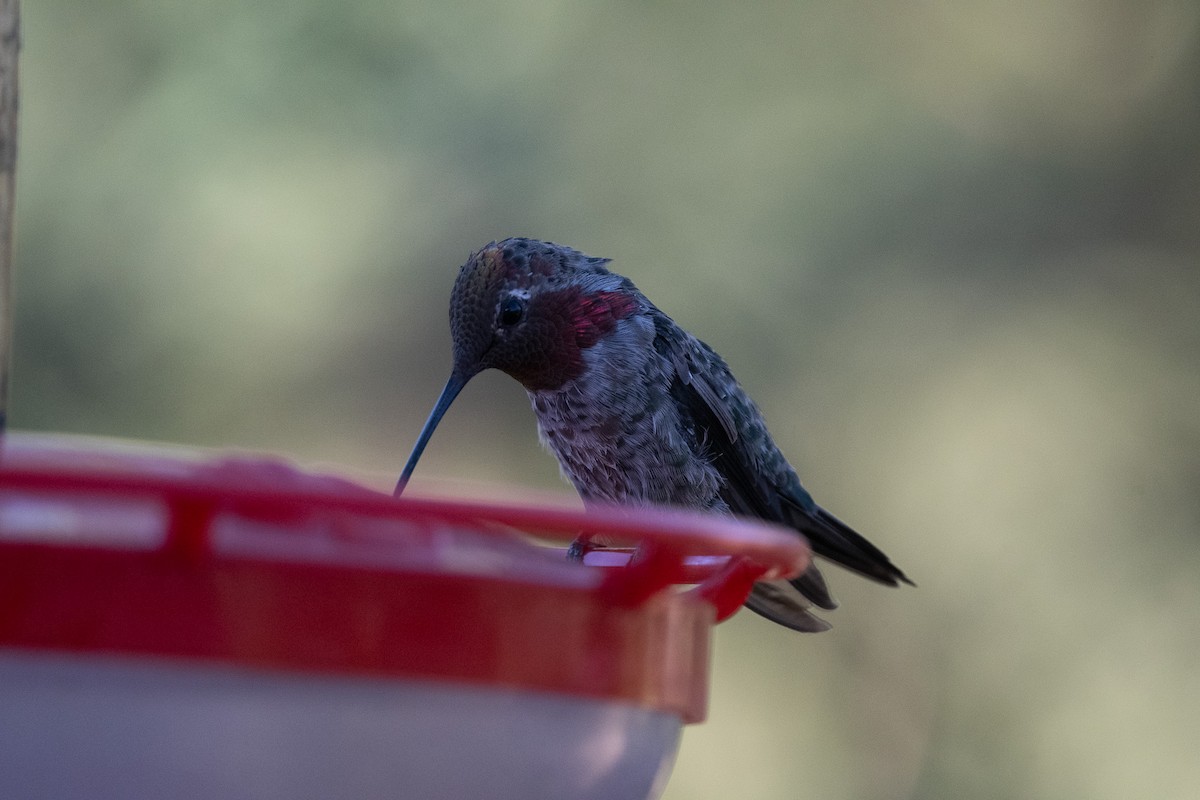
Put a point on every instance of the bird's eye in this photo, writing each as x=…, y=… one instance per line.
x=512, y=311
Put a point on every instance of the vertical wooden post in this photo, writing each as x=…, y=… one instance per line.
x=10, y=45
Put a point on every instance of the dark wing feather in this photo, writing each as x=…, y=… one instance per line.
x=750, y=492
x=835, y=540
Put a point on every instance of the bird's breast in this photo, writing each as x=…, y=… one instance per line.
x=619, y=438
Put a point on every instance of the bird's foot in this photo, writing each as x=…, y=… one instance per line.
x=580, y=548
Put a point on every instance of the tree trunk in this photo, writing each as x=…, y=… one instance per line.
x=10, y=44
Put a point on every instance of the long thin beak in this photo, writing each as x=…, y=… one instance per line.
x=453, y=387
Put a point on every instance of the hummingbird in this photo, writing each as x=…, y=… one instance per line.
x=636, y=409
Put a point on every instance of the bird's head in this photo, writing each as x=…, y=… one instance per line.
x=529, y=309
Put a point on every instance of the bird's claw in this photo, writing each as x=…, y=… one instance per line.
x=579, y=548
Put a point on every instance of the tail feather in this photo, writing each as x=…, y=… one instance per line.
x=782, y=603
x=811, y=584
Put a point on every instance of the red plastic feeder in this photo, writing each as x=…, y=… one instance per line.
x=177, y=626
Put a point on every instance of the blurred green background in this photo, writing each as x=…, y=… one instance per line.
x=950, y=248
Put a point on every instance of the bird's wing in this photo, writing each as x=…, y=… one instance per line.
x=730, y=428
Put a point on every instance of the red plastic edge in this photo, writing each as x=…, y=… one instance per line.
x=623, y=638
